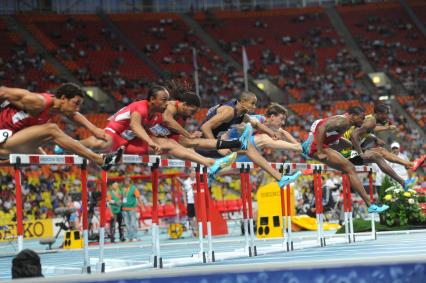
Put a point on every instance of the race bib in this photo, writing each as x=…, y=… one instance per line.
x=159, y=130
x=354, y=153
x=124, y=200
x=128, y=135
x=4, y=135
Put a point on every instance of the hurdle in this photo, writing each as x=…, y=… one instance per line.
x=155, y=162
x=152, y=161
x=20, y=160
x=203, y=204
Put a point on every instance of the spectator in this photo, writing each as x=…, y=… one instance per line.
x=115, y=198
x=26, y=264
x=398, y=168
x=189, y=200
x=131, y=198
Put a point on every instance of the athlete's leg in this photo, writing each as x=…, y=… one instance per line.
x=98, y=144
x=258, y=159
x=338, y=162
x=371, y=156
x=198, y=143
x=264, y=140
x=181, y=152
x=389, y=156
x=29, y=139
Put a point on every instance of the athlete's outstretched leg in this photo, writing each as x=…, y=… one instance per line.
x=338, y=162
x=30, y=139
x=389, y=156
x=264, y=140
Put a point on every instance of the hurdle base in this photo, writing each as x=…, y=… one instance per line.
x=101, y=266
x=255, y=251
x=213, y=257
x=87, y=270
x=204, y=257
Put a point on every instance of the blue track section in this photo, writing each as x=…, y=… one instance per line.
x=390, y=258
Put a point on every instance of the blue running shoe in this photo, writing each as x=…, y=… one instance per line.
x=408, y=183
x=222, y=163
x=58, y=150
x=306, y=147
x=287, y=179
x=245, y=136
x=377, y=209
x=210, y=179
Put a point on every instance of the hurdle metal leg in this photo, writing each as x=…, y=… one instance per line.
x=211, y=255
x=252, y=248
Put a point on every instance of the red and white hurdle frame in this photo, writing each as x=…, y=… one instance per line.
x=19, y=160
x=155, y=162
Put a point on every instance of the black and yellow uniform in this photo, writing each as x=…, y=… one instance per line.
x=366, y=141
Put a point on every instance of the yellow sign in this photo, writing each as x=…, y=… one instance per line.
x=32, y=229
x=269, y=216
x=73, y=240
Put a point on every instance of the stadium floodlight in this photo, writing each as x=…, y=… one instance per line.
x=379, y=79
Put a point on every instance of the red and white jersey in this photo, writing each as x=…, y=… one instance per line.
x=14, y=119
x=119, y=123
x=330, y=137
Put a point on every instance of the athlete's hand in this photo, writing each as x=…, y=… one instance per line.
x=380, y=142
x=99, y=134
x=224, y=152
x=157, y=148
x=321, y=156
x=195, y=135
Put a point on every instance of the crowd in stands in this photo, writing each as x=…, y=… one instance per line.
x=307, y=59
x=21, y=66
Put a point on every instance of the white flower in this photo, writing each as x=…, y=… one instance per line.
x=411, y=201
x=390, y=189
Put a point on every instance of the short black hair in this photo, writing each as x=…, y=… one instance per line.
x=276, y=109
x=26, y=264
x=356, y=110
x=69, y=90
x=246, y=95
x=190, y=98
x=381, y=108
x=153, y=90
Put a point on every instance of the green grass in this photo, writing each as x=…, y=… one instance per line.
x=361, y=225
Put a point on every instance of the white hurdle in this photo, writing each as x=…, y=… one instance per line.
x=19, y=160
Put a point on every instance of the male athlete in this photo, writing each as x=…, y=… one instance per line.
x=369, y=148
x=25, y=123
x=328, y=131
x=221, y=117
x=139, y=126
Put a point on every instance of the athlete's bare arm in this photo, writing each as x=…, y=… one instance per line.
x=336, y=123
x=170, y=122
x=286, y=136
x=224, y=114
x=135, y=126
x=260, y=127
x=381, y=128
x=97, y=132
x=31, y=102
x=366, y=127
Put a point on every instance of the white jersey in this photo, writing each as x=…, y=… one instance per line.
x=188, y=187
